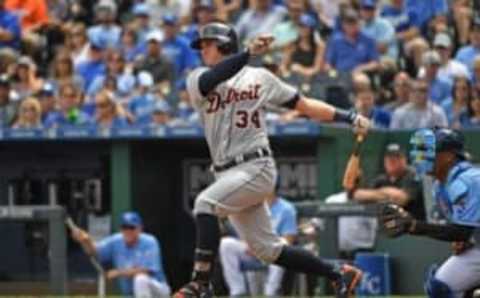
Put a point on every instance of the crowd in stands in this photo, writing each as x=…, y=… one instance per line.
x=113, y=63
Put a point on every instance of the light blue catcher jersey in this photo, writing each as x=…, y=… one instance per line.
x=459, y=197
x=145, y=254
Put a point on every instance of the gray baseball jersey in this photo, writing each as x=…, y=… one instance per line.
x=233, y=113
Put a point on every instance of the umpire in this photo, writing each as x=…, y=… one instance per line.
x=397, y=185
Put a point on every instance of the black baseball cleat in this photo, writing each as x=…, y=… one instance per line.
x=194, y=290
x=345, y=285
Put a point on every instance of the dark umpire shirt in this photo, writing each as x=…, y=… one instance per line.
x=406, y=182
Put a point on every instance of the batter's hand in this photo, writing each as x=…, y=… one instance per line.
x=361, y=125
x=80, y=235
x=260, y=44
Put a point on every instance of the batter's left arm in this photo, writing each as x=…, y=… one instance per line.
x=322, y=111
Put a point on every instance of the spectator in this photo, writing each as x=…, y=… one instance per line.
x=349, y=49
x=233, y=250
x=136, y=258
x=327, y=12
x=10, y=30
x=63, y=70
x=177, y=48
x=405, y=22
x=47, y=99
x=398, y=185
x=378, y=29
x=228, y=9
x=449, y=69
x=155, y=62
x=185, y=113
x=141, y=105
x=78, y=44
x=365, y=105
x=107, y=112
x=8, y=106
x=402, y=87
x=106, y=33
x=33, y=13
x=26, y=80
x=456, y=106
x=202, y=14
x=69, y=112
x=467, y=54
x=476, y=70
x=261, y=17
x=130, y=46
x=462, y=16
x=420, y=112
x=439, y=88
x=161, y=114
x=426, y=11
x=142, y=21
x=94, y=66
x=122, y=77
x=29, y=114
x=287, y=31
x=471, y=117
x=305, y=56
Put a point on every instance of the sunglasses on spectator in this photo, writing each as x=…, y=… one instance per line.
x=103, y=105
x=127, y=227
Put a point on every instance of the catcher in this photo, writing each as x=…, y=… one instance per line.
x=440, y=153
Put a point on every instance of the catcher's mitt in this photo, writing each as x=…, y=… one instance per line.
x=395, y=220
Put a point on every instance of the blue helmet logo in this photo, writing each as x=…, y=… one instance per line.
x=423, y=150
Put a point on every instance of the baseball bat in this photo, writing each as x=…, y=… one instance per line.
x=352, y=171
x=101, y=291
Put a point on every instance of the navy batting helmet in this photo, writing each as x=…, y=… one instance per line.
x=223, y=34
x=450, y=140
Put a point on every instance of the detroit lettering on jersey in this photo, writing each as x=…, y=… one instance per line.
x=216, y=101
x=233, y=113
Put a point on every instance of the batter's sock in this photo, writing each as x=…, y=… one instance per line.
x=208, y=240
x=300, y=260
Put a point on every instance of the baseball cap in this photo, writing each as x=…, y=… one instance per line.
x=350, y=16
x=307, y=21
x=145, y=79
x=161, y=106
x=5, y=80
x=131, y=219
x=431, y=58
x=370, y=4
x=442, y=40
x=95, y=42
x=26, y=61
x=156, y=36
x=394, y=149
x=170, y=19
x=47, y=90
x=141, y=9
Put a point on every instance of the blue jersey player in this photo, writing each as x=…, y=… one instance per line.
x=440, y=153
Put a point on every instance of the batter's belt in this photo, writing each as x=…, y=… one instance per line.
x=239, y=159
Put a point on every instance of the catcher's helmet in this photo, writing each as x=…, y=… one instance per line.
x=223, y=34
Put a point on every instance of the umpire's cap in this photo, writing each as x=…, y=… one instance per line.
x=224, y=34
x=450, y=140
x=131, y=219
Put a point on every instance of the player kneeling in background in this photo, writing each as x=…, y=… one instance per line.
x=230, y=98
x=135, y=256
x=440, y=153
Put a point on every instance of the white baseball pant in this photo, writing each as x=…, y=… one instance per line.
x=145, y=286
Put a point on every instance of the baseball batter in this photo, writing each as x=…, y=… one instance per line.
x=230, y=98
x=440, y=153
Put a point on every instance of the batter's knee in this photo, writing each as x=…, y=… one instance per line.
x=267, y=252
x=203, y=206
x=436, y=288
